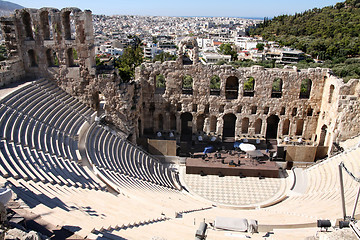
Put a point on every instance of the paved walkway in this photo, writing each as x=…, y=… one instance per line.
x=7, y=89
x=235, y=191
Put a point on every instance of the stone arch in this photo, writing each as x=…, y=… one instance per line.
x=173, y=121
x=67, y=17
x=305, y=88
x=139, y=127
x=26, y=19
x=258, y=125
x=213, y=123
x=186, y=126
x=323, y=135
x=99, y=101
x=160, y=122
x=188, y=51
x=232, y=87
x=187, y=84
x=249, y=87
x=229, y=125
x=45, y=22
x=200, y=120
x=215, y=83
x=299, y=127
x=286, y=127
x=276, y=90
x=32, y=58
x=272, y=127
x=331, y=92
x=72, y=57
x=245, y=125
x=160, y=83
x=51, y=57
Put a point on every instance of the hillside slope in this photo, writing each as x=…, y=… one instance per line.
x=327, y=33
x=7, y=8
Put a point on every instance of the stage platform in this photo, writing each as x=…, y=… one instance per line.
x=243, y=166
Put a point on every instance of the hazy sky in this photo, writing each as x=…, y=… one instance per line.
x=234, y=8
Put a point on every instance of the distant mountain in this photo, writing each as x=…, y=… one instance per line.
x=6, y=8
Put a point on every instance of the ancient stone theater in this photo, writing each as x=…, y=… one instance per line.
x=183, y=150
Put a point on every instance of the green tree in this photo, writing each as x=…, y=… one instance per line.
x=260, y=46
x=187, y=82
x=160, y=81
x=249, y=84
x=130, y=59
x=164, y=56
x=228, y=49
x=215, y=82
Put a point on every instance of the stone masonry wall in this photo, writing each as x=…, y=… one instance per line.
x=59, y=45
x=243, y=107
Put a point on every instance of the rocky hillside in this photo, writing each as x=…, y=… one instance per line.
x=6, y=8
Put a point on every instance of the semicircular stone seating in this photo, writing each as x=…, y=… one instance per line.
x=39, y=156
x=39, y=125
x=124, y=164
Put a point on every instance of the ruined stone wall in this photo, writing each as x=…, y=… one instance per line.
x=246, y=108
x=11, y=71
x=59, y=45
x=340, y=111
x=43, y=43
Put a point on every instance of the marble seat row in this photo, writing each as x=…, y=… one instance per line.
x=322, y=198
x=38, y=126
x=42, y=109
x=110, y=153
x=22, y=162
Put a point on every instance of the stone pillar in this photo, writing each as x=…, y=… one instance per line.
x=207, y=125
x=237, y=126
x=178, y=122
x=220, y=125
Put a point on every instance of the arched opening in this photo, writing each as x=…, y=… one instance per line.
x=229, y=125
x=309, y=112
x=173, y=122
x=331, y=92
x=232, y=87
x=45, y=22
x=258, y=125
x=249, y=86
x=276, y=91
x=213, y=123
x=32, y=58
x=245, y=125
x=200, y=123
x=139, y=127
x=160, y=84
x=323, y=135
x=72, y=57
x=305, y=88
x=186, y=126
x=26, y=19
x=272, y=127
x=253, y=109
x=215, y=83
x=52, y=59
x=102, y=103
x=187, y=84
x=161, y=122
x=69, y=27
x=286, y=127
x=299, y=127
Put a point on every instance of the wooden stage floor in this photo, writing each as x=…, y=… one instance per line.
x=248, y=167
